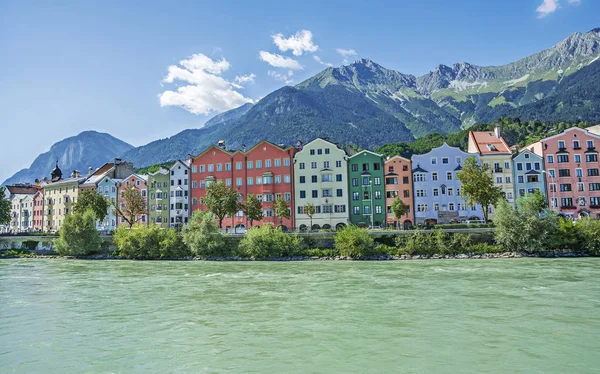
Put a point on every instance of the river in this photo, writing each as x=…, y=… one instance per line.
x=432, y=316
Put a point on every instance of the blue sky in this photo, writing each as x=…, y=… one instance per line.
x=117, y=66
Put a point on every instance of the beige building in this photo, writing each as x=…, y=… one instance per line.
x=320, y=178
x=59, y=197
x=21, y=207
x=495, y=153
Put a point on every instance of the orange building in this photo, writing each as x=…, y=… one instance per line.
x=398, y=183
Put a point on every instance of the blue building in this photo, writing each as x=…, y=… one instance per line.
x=107, y=187
x=528, y=173
x=437, y=191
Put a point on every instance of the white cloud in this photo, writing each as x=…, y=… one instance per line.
x=547, y=7
x=285, y=78
x=345, y=53
x=279, y=61
x=249, y=78
x=575, y=2
x=298, y=44
x=206, y=91
x=318, y=59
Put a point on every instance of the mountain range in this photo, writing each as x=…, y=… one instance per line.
x=368, y=105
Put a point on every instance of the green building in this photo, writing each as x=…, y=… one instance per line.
x=367, y=190
x=158, y=198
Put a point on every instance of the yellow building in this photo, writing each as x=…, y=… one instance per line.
x=59, y=197
x=495, y=153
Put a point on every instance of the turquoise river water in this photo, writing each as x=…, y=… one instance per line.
x=438, y=316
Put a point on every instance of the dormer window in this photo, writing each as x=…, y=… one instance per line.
x=491, y=147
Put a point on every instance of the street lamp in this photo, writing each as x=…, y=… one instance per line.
x=553, y=190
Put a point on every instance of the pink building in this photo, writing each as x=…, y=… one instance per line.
x=139, y=182
x=573, y=176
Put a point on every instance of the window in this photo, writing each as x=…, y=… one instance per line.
x=550, y=159
x=278, y=179
x=366, y=181
x=580, y=187
x=420, y=193
x=594, y=186
x=259, y=180
x=325, y=164
x=458, y=160
x=561, y=144
x=377, y=181
x=498, y=180
x=313, y=165
x=354, y=182
x=338, y=177
x=327, y=192
x=391, y=194
x=339, y=208
x=566, y=202
x=406, y=193
x=519, y=166
x=365, y=167
x=367, y=209
x=419, y=177
x=249, y=165
x=356, y=210
x=313, y=179
x=219, y=167
x=451, y=207
x=565, y=187
x=302, y=179
x=434, y=176
x=450, y=191
x=405, y=180
x=315, y=194
x=267, y=179
x=592, y=172
x=391, y=180
x=319, y=151
x=228, y=182
x=194, y=169
x=449, y=175
x=564, y=172
x=355, y=196
x=326, y=178
x=444, y=160
x=562, y=158
x=249, y=181
x=211, y=168
x=238, y=165
x=590, y=144
x=434, y=161
x=312, y=152
x=576, y=144
x=286, y=179
x=577, y=158
x=258, y=164
x=378, y=209
x=592, y=157
x=355, y=167
x=301, y=166
x=536, y=166
x=377, y=195
x=520, y=179
x=303, y=194
x=268, y=197
x=286, y=162
x=277, y=162
x=339, y=192
x=326, y=151
x=436, y=192
x=267, y=163
x=228, y=166
x=338, y=164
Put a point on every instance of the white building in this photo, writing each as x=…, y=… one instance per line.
x=179, y=194
x=320, y=178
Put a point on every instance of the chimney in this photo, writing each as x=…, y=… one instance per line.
x=497, y=130
x=117, y=161
x=90, y=170
x=221, y=144
x=75, y=174
x=243, y=147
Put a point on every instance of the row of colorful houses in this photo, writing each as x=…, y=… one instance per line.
x=344, y=187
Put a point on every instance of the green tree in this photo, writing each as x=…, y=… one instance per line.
x=203, y=236
x=281, y=209
x=478, y=185
x=522, y=231
x=310, y=210
x=253, y=209
x=532, y=204
x=131, y=206
x=4, y=207
x=353, y=241
x=78, y=235
x=268, y=242
x=221, y=200
x=91, y=199
x=399, y=208
x=142, y=241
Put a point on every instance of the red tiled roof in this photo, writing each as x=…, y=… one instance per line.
x=488, y=144
x=24, y=190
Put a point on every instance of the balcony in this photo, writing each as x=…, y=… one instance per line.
x=498, y=170
x=568, y=207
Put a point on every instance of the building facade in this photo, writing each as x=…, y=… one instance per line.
x=38, y=210
x=437, y=190
x=60, y=195
x=528, y=173
x=496, y=154
x=159, y=198
x=20, y=197
x=265, y=171
x=108, y=188
x=179, y=191
x=367, y=189
x=320, y=178
x=140, y=183
x=398, y=184
x=573, y=176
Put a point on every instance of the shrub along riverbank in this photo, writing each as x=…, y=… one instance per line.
x=528, y=230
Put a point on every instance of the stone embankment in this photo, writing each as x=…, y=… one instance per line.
x=383, y=257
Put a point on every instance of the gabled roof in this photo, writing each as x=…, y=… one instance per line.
x=446, y=146
x=366, y=151
x=135, y=175
x=398, y=157
x=533, y=172
x=208, y=149
x=184, y=164
x=419, y=169
x=21, y=189
x=487, y=143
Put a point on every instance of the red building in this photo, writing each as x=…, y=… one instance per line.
x=398, y=183
x=265, y=170
x=139, y=182
x=38, y=210
x=572, y=172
